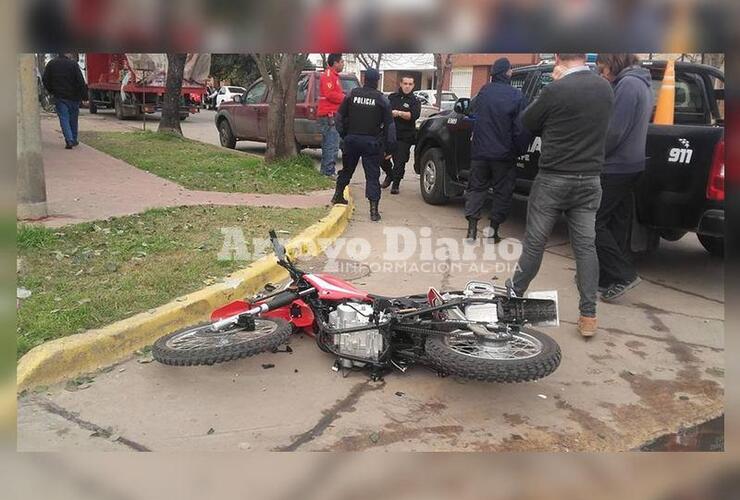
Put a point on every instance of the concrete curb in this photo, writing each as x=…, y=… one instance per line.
x=68, y=357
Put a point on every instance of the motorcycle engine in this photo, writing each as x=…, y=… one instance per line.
x=366, y=344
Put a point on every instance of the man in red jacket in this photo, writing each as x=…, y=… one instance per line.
x=330, y=97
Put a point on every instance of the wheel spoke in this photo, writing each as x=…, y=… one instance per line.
x=520, y=346
x=205, y=338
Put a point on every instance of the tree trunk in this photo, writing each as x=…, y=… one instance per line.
x=281, y=72
x=443, y=63
x=170, y=121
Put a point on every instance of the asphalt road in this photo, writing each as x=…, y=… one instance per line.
x=656, y=364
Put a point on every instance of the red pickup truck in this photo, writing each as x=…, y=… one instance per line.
x=245, y=118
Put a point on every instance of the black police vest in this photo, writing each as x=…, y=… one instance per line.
x=365, y=112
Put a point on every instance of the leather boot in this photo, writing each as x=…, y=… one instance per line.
x=472, y=228
x=494, y=233
x=394, y=187
x=338, y=198
x=386, y=182
x=374, y=214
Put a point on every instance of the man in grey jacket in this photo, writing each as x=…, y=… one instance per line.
x=572, y=116
x=623, y=167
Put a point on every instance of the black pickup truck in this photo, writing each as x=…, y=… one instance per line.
x=683, y=187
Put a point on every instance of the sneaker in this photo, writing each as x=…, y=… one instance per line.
x=76, y=143
x=618, y=289
x=68, y=146
x=587, y=326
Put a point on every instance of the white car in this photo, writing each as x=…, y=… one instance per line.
x=448, y=98
x=227, y=93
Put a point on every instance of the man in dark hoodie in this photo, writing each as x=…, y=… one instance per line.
x=623, y=166
x=498, y=138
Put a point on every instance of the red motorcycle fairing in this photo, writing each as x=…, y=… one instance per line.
x=301, y=315
x=332, y=288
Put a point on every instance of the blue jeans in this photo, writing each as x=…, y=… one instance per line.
x=578, y=197
x=68, y=112
x=329, y=144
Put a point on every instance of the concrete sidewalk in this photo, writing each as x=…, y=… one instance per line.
x=656, y=364
x=84, y=184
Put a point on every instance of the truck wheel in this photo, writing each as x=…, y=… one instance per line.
x=93, y=106
x=713, y=244
x=183, y=117
x=225, y=135
x=672, y=234
x=432, y=177
x=118, y=106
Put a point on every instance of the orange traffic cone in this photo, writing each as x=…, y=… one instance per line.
x=666, y=96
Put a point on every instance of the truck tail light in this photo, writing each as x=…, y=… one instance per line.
x=716, y=183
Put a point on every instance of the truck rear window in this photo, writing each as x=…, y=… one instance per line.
x=690, y=107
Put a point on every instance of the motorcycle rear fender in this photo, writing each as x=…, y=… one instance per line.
x=301, y=315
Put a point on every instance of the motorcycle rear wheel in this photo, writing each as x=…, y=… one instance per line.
x=530, y=355
x=199, y=345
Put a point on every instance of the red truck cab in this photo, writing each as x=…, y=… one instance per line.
x=113, y=82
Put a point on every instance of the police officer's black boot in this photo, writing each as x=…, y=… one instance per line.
x=374, y=214
x=394, y=186
x=338, y=198
x=472, y=228
x=494, y=233
x=387, y=181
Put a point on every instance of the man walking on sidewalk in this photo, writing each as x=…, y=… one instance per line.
x=63, y=79
x=365, y=123
x=572, y=116
x=498, y=138
x=623, y=167
x=406, y=109
x=331, y=96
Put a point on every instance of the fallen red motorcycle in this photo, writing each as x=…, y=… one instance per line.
x=482, y=332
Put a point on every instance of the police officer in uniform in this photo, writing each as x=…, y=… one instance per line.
x=365, y=123
x=498, y=138
x=406, y=109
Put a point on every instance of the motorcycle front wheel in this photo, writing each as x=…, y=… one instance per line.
x=200, y=345
x=528, y=355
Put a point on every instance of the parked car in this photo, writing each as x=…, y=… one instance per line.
x=448, y=98
x=681, y=191
x=227, y=93
x=245, y=118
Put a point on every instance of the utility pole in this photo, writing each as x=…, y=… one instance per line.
x=31, y=183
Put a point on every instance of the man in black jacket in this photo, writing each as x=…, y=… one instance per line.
x=498, y=138
x=406, y=109
x=365, y=123
x=63, y=79
x=572, y=116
